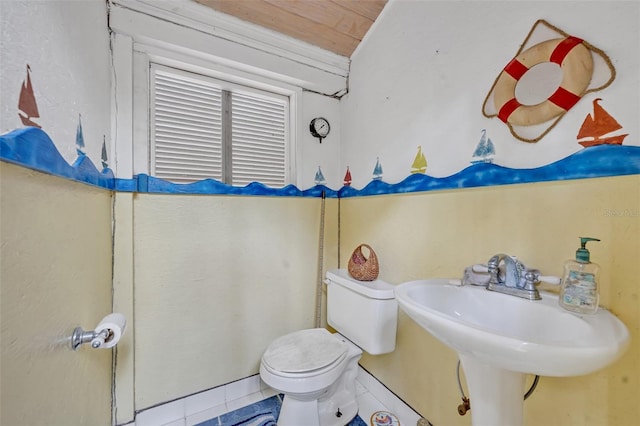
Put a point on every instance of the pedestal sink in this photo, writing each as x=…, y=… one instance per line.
x=501, y=338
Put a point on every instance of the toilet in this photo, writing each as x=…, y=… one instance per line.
x=315, y=369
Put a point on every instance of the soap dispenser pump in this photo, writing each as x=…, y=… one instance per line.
x=579, y=291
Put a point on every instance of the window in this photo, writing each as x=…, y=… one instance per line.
x=207, y=128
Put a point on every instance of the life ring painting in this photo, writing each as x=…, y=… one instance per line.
x=572, y=55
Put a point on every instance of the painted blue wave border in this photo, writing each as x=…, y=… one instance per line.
x=32, y=148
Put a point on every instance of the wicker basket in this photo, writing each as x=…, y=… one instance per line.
x=361, y=268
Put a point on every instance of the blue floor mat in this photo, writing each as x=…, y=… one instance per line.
x=263, y=413
x=357, y=421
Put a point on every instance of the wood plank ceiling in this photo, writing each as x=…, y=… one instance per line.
x=335, y=25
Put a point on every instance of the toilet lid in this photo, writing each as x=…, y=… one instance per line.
x=304, y=350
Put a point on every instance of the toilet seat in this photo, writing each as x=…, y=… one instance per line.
x=304, y=351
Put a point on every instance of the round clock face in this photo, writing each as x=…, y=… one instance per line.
x=319, y=127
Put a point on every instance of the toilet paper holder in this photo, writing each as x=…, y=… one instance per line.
x=106, y=335
x=80, y=337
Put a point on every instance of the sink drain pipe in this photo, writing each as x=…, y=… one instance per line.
x=466, y=404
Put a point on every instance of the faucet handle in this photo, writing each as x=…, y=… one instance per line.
x=531, y=278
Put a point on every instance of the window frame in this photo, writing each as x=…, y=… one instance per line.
x=143, y=58
x=227, y=91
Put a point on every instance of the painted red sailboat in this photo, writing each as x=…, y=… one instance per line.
x=596, y=128
x=347, y=177
x=27, y=107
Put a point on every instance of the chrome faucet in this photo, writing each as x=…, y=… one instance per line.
x=506, y=274
x=513, y=278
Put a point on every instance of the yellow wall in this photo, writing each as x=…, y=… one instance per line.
x=56, y=275
x=216, y=279
x=213, y=279
x=437, y=234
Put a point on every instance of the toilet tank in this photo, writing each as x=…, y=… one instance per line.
x=365, y=312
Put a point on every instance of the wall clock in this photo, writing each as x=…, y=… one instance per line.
x=319, y=128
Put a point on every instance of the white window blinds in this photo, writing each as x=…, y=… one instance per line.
x=186, y=128
x=204, y=128
x=258, y=136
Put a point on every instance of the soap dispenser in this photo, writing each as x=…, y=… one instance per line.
x=579, y=291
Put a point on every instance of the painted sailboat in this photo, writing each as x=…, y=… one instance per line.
x=419, y=163
x=347, y=178
x=594, y=129
x=377, y=170
x=27, y=106
x=485, y=150
x=104, y=158
x=79, y=138
x=319, y=179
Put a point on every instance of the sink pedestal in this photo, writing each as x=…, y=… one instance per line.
x=496, y=395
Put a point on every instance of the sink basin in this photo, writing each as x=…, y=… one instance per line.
x=500, y=338
x=536, y=337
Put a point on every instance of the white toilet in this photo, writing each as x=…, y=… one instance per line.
x=316, y=370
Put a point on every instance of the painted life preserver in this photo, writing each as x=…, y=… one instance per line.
x=576, y=63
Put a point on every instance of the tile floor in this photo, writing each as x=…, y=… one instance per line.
x=262, y=413
x=224, y=405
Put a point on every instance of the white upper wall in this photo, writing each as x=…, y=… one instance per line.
x=422, y=74
x=78, y=69
x=419, y=77
x=66, y=44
